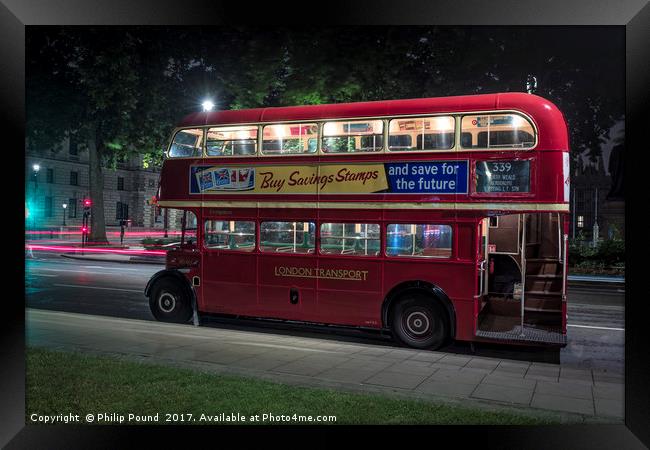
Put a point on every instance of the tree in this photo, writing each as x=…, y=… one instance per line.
x=113, y=93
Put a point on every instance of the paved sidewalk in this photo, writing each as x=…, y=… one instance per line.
x=573, y=395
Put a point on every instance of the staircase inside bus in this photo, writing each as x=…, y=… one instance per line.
x=521, y=285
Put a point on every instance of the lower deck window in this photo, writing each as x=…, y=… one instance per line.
x=230, y=235
x=351, y=239
x=418, y=240
x=287, y=237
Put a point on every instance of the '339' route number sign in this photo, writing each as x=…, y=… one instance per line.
x=503, y=176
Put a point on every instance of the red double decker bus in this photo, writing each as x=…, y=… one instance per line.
x=433, y=219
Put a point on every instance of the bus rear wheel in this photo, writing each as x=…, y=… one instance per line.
x=169, y=302
x=418, y=322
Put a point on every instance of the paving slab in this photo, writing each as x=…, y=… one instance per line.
x=456, y=376
x=219, y=357
x=563, y=403
x=427, y=356
x=613, y=391
x=444, y=388
x=511, y=372
x=396, y=379
x=258, y=363
x=455, y=360
x=364, y=364
x=581, y=375
x=609, y=407
x=347, y=375
x=507, y=394
x=483, y=363
x=302, y=368
x=508, y=381
x=571, y=390
x=403, y=367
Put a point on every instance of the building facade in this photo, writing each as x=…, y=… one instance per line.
x=62, y=179
x=592, y=206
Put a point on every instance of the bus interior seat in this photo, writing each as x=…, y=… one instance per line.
x=466, y=140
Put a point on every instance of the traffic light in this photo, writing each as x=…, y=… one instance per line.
x=87, y=204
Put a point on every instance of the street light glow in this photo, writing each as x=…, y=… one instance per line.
x=36, y=167
x=208, y=105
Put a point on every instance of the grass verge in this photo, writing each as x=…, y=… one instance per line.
x=63, y=383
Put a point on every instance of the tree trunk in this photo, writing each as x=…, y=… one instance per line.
x=96, y=182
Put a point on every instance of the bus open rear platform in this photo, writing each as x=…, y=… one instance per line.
x=508, y=328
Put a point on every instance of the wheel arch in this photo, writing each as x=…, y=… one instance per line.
x=424, y=287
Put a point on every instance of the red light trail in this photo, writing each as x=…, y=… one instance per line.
x=62, y=248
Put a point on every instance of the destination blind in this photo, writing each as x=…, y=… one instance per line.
x=503, y=176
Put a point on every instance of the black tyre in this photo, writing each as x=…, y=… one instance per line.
x=170, y=301
x=419, y=322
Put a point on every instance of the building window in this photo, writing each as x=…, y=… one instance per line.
x=581, y=221
x=120, y=183
x=48, y=206
x=152, y=183
x=72, y=208
x=419, y=240
x=287, y=237
x=351, y=239
x=50, y=176
x=74, y=178
x=230, y=235
x=121, y=211
x=72, y=149
x=494, y=222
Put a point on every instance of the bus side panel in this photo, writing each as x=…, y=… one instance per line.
x=229, y=282
x=352, y=297
x=279, y=276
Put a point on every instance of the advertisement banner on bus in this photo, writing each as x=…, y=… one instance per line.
x=431, y=177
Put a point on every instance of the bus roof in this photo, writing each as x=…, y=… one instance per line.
x=542, y=111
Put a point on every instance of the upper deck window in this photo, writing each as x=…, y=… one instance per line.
x=421, y=133
x=357, y=136
x=232, y=141
x=290, y=138
x=187, y=143
x=494, y=131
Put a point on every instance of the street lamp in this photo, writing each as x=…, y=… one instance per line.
x=207, y=105
x=35, y=169
x=65, y=206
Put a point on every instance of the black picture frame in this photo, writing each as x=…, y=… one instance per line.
x=634, y=15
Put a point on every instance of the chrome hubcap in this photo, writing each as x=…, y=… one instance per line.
x=166, y=302
x=417, y=323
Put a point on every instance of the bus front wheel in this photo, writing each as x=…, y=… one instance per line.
x=418, y=322
x=169, y=302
